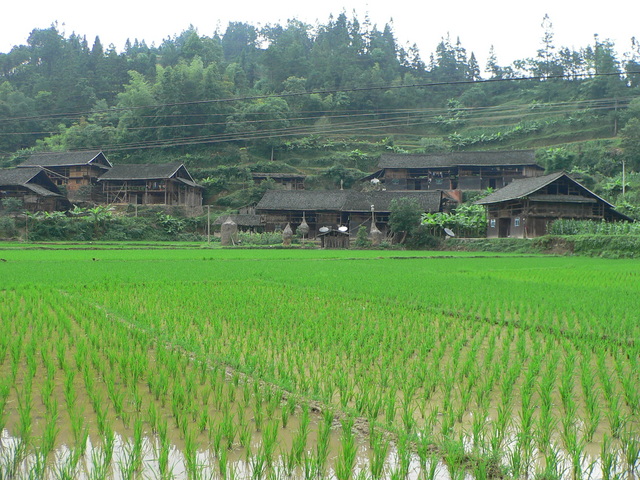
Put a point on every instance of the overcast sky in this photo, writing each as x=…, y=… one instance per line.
x=513, y=27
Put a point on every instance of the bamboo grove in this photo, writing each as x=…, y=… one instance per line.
x=277, y=364
x=70, y=92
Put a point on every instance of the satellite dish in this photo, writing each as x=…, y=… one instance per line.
x=449, y=232
x=323, y=229
x=343, y=228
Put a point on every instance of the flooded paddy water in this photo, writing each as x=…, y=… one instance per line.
x=252, y=373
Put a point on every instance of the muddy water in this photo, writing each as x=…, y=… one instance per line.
x=90, y=464
x=237, y=459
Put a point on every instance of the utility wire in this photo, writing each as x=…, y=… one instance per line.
x=324, y=92
x=470, y=113
x=357, y=122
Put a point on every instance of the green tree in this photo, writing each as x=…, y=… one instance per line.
x=474, y=68
x=572, y=62
x=335, y=55
x=493, y=68
x=405, y=215
x=546, y=63
x=239, y=39
x=15, y=104
x=556, y=159
x=268, y=115
x=630, y=142
x=136, y=115
x=46, y=48
x=288, y=52
x=632, y=64
x=192, y=45
x=602, y=61
x=340, y=176
x=450, y=62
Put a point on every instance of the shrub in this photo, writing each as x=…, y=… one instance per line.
x=8, y=228
x=118, y=228
x=266, y=238
x=421, y=238
x=362, y=238
x=12, y=206
x=608, y=246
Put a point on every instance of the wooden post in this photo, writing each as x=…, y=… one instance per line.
x=208, y=224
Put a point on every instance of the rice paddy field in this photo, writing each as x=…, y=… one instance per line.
x=147, y=361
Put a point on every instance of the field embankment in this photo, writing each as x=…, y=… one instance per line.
x=607, y=246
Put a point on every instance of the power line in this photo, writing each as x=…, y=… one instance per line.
x=323, y=92
x=341, y=128
x=470, y=113
x=365, y=121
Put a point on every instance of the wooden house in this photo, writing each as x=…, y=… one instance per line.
x=288, y=181
x=455, y=171
x=151, y=184
x=76, y=173
x=526, y=207
x=333, y=209
x=33, y=188
x=319, y=208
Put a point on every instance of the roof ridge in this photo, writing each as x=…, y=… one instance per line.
x=523, y=187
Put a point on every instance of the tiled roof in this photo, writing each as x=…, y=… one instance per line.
x=142, y=171
x=302, y=200
x=497, y=158
x=345, y=200
x=527, y=186
x=63, y=159
x=429, y=200
x=18, y=176
x=23, y=177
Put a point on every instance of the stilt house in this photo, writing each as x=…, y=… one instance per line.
x=333, y=209
x=76, y=172
x=526, y=207
x=455, y=171
x=151, y=184
x=33, y=188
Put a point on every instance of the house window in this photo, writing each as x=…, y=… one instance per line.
x=517, y=221
x=492, y=223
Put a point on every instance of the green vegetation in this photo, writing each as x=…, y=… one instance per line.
x=207, y=363
x=468, y=220
x=100, y=223
x=323, y=100
x=608, y=246
x=404, y=217
x=587, y=227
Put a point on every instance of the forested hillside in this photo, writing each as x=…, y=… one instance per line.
x=324, y=100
